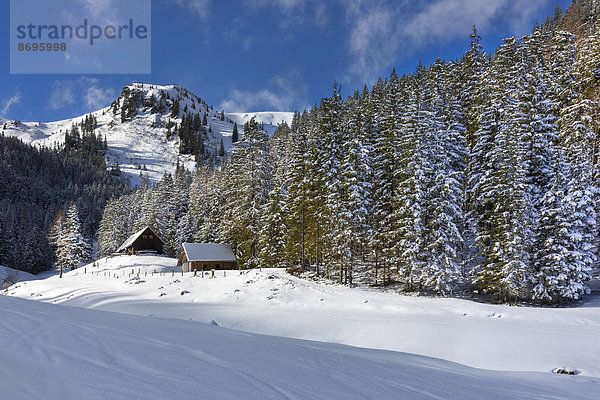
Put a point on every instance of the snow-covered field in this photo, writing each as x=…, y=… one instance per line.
x=171, y=343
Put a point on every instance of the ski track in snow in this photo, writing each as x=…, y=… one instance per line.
x=174, y=329
x=73, y=353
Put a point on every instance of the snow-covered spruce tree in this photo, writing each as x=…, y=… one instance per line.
x=273, y=235
x=198, y=198
x=469, y=79
x=336, y=232
x=297, y=195
x=588, y=63
x=388, y=102
x=406, y=221
x=235, y=137
x=356, y=181
x=316, y=220
x=248, y=178
x=187, y=229
x=114, y=229
x=577, y=97
x=186, y=225
x=73, y=249
x=502, y=213
x=568, y=225
x=470, y=75
x=211, y=203
x=57, y=230
x=534, y=113
x=148, y=211
x=444, y=156
x=4, y=245
x=167, y=213
x=29, y=236
x=569, y=217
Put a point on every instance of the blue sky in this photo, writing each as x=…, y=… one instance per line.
x=275, y=55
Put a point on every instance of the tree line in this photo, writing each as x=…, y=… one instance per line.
x=480, y=171
x=37, y=182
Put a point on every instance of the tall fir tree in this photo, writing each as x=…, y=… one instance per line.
x=72, y=247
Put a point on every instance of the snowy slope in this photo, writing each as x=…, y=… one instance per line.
x=141, y=140
x=59, y=352
x=14, y=275
x=270, y=119
x=271, y=302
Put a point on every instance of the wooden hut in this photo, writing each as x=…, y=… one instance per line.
x=142, y=242
x=206, y=256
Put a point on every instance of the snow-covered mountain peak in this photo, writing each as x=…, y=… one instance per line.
x=149, y=129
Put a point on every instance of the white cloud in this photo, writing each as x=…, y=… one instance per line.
x=62, y=95
x=286, y=5
x=96, y=97
x=321, y=18
x=381, y=29
x=522, y=12
x=241, y=101
x=15, y=99
x=448, y=19
x=87, y=91
x=283, y=94
x=102, y=11
x=374, y=39
x=97, y=8
x=294, y=12
x=198, y=7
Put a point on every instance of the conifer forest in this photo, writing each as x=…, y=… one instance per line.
x=478, y=175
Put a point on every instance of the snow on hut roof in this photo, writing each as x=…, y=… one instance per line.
x=208, y=252
x=135, y=237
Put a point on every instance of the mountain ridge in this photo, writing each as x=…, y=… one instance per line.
x=144, y=129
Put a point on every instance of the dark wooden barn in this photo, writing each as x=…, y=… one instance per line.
x=144, y=241
x=206, y=256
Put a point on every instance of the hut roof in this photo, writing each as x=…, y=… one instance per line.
x=135, y=237
x=208, y=252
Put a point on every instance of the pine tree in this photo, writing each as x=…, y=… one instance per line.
x=175, y=109
x=248, y=177
x=235, y=136
x=297, y=183
x=407, y=224
x=565, y=258
x=114, y=227
x=444, y=154
x=355, y=170
x=471, y=71
x=273, y=235
x=72, y=248
x=389, y=104
x=187, y=229
x=4, y=242
x=502, y=214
